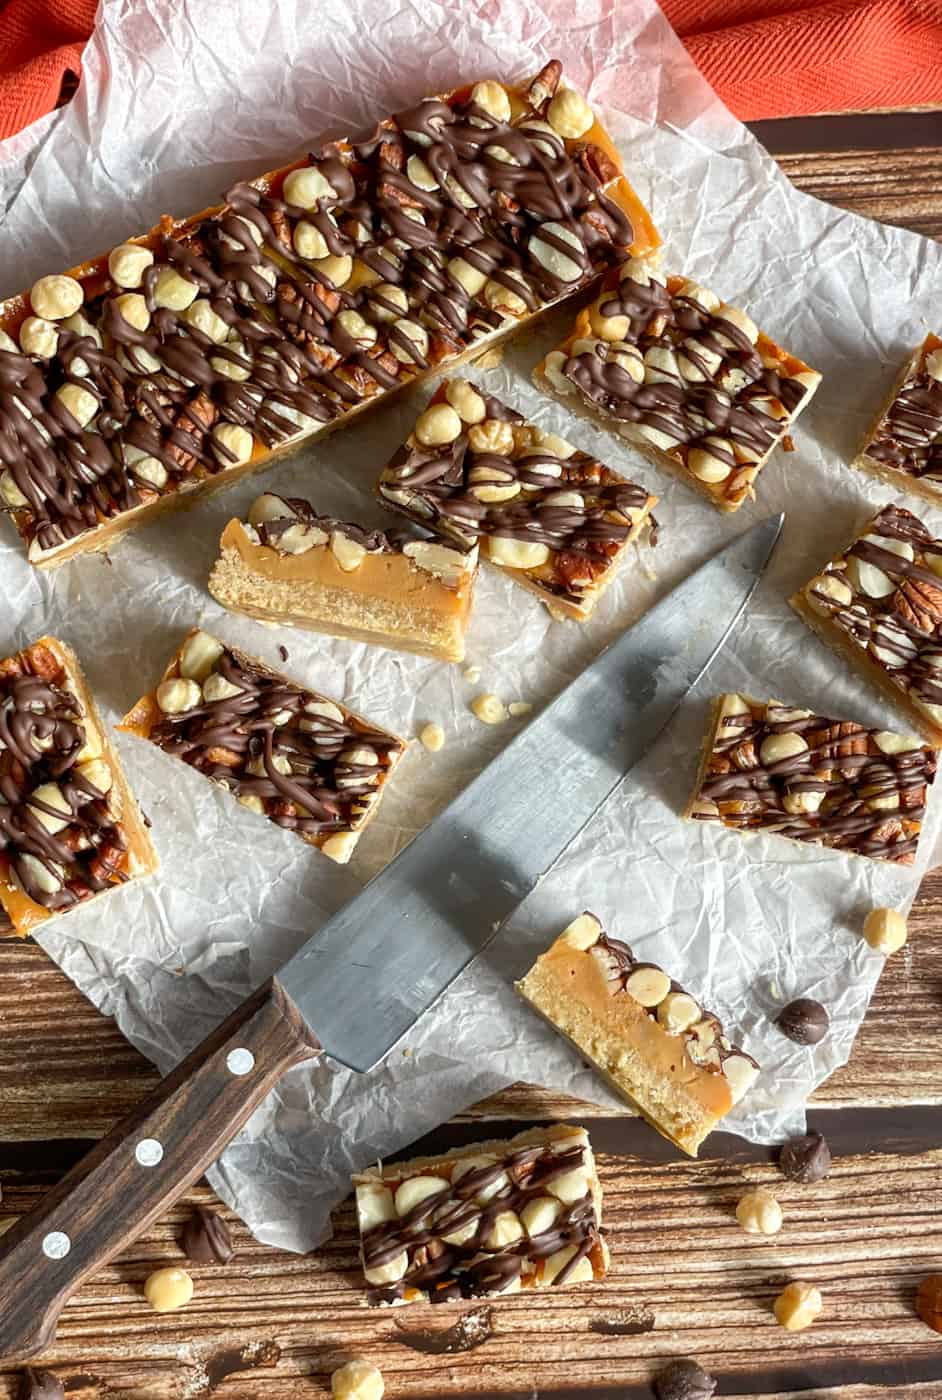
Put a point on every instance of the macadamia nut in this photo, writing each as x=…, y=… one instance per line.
x=885, y=930
x=759, y=1213
x=55, y=297
x=168, y=1289
x=797, y=1306
x=357, y=1380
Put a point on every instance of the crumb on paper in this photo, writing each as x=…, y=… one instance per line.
x=432, y=737
x=472, y=674
x=488, y=708
x=519, y=707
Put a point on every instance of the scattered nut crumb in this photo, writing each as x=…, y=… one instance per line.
x=797, y=1306
x=519, y=707
x=432, y=737
x=489, y=708
x=357, y=1380
x=885, y=930
x=759, y=1213
x=283, y=653
x=472, y=674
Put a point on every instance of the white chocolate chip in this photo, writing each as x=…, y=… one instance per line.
x=201, y=315
x=740, y=1074
x=81, y=403
x=232, y=444
x=489, y=709
x=168, y=1289
x=172, y=290
x=516, y=554
x=51, y=795
x=492, y=99
x=492, y=435
x=199, y=655
x=759, y=1213
x=309, y=242
x=648, y=985
x=797, y=1306
x=554, y=1265
x=885, y=930
x=127, y=264
x=348, y=553
x=826, y=592
x=175, y=697
x=432, y=737
x=439, y=424
x=416, y=336
x=583, y=933
x=39, y=337
x=306, y=187
x=466, y=401
x=778, y=747
x=10, y=493
x=56, y=297
x=471, y=279
x=540, y=1214
x=216, y=687
x=569, y=114
x=549, y=257
x=97, y=772
x=678, y=1012
x=416, y=1189
x=357, y=1380
x=375, y=1206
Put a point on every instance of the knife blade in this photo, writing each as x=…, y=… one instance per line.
x=363, y=980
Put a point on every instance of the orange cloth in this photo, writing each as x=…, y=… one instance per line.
x=766, y=58
x=786, y=58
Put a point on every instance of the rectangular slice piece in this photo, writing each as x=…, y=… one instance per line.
x=303, y=761
x=652, y=1041
x=686, y=378
x=189, y=356
x=554, y=518
x=904, y=443
x=288, y=564
x=487, y=1219
x=70, y=828
x=879, y=605
x=829, y=782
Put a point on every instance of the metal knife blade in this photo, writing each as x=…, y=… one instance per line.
x=367, y=975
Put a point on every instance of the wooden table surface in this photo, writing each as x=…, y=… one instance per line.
x=685, y=1279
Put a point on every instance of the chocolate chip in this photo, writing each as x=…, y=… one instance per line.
x=206, y=1239
x=40, y=1385
x=684, y=1380
x=806, y=1158
x=283, y=653
x=804, y=1021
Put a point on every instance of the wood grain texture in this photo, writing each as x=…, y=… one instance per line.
x=685, y=1279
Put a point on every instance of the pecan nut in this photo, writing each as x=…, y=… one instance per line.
x=544, y=85
x=597, y=164
x=919, y=603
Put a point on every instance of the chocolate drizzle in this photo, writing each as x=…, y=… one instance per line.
x=298, y=509
x=909, y=437
x=441, y=488
x=271, y=348
x=43, y=742
x=840, y=789
x=312, y=772
x=450, y=1270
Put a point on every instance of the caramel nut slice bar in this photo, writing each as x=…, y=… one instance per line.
x=70, y=828
x=555, y=519
x=287, y=753
x=904, y=443
x=189, y=356
x=489, y=1219
x=829, y=782
x=289, y=565
x=878, y=604
x=686, y=378
x=652, y=1041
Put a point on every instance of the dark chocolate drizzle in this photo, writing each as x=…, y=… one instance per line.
x=449, y=1272
x=325, y=790
x=42, y=735
x=299, y=510
x=439, y=484
x=909, y=437
x=842, y=762
x=161, y=390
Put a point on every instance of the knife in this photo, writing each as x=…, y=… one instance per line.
x=358, y=985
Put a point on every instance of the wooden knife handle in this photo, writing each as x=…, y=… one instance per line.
x=143, y=1165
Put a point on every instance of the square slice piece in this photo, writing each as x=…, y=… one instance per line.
x=295, y=757
x=879, y=605
x=555, y=519
x=288, y=564
x=686, y=378
x=904, y=444
x=70, y=828
x=830, y=782
x=653, y=1042
x=488, y=1219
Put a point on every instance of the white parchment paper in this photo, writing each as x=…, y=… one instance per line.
x=176, y=102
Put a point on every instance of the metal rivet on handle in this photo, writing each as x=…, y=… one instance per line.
x=240, y=1061
x=56, y=1245
x=148, y=1152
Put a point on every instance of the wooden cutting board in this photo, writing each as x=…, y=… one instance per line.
x=685, y=1279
